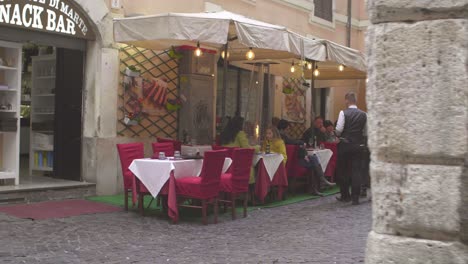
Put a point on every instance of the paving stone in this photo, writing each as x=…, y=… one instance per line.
x=316, y=231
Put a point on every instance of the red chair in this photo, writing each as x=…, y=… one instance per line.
x=167, y=148
x=230, y=150
x=331, y=167
x=177, y=144
x=127, y=153
x=236, y=183
x=206, y=186
x=293, y=169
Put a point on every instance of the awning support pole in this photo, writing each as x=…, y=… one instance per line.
x=348, y=26
x=225, y=79
x=312, y=90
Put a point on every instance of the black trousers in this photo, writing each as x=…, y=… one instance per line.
x=365, y=169
x=348, y=169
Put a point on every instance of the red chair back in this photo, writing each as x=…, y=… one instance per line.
x=230, y=150
x=293, y=169
x=241, y=165
x=167, y=148
x=177, y=144
x=127, y=153
x=291, y=153
x=211, y=171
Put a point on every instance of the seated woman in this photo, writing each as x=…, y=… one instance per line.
x=234, y=136
x=312, y=163
x=273, y=138
x=282, y=126
x=330, y=135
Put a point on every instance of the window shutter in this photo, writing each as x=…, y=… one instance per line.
x=324, y=9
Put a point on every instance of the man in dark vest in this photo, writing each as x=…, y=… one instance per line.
x=351, y=128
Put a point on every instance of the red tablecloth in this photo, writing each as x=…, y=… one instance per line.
x=263, y=183
x=169, y=190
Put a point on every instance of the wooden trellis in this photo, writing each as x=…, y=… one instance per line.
x=152, y=64
x=295, y=130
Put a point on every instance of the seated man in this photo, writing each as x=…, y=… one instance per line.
x=282, y=126
x=315, y=132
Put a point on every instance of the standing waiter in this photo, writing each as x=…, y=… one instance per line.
x=351, y=127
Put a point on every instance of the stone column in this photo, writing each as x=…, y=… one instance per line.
x=418, y=120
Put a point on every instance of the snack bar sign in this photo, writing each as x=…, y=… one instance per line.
x=54, y=16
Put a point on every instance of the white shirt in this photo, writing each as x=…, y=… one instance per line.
x=341, y=123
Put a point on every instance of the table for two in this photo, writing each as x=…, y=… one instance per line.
x=271, y=171
x=159, y=176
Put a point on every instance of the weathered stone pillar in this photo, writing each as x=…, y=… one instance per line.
x=418, y=120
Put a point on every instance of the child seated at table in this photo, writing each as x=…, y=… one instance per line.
x=274, y=143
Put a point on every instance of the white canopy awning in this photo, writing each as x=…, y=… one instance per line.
x=212, y=30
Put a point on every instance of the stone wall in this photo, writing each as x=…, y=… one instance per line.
x=418, y=119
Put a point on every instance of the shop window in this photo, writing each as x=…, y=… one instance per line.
x=324, y=9
x=231, y=91
x=320, y=102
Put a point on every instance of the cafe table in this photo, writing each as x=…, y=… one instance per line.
x=155, y=173
x=270, y=172
x=323, y=155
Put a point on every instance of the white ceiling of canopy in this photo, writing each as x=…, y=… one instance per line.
x=213, y=30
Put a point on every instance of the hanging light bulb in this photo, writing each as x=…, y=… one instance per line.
x=316, y=71
x=250, y=55
x=198, y=52
x=293, y=69
x=309, y=66
x=225, y=54
x=341, y=67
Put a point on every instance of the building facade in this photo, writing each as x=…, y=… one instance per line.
x=103, y=113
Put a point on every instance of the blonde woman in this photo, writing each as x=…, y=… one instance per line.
x=273, y=138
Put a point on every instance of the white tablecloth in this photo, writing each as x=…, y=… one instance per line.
x=201, y=148
x=323, y=155
x=271, y=161
x=154, y=173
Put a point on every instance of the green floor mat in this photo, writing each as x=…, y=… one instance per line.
x=193, y=214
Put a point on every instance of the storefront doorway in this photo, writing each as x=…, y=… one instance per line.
x=42, y=55
x=51, y=112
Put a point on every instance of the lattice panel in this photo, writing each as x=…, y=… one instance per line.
x=152, y=64
x=295, y=130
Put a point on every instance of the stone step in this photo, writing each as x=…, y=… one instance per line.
x=46, y=193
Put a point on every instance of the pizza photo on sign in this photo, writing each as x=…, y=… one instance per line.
x=154, y=96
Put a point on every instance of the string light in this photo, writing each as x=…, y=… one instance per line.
x=309, y=66
x=250, y=55
x=341, y=67
x=316, y=71
x=293, y=69
x=198, y=52
x=223, y=54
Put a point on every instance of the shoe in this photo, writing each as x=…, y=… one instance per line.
x=317, y=193
x=363, y=193
x=343, y=199
x=327, y=183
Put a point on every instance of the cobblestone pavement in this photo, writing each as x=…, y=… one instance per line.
x=316, y=231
